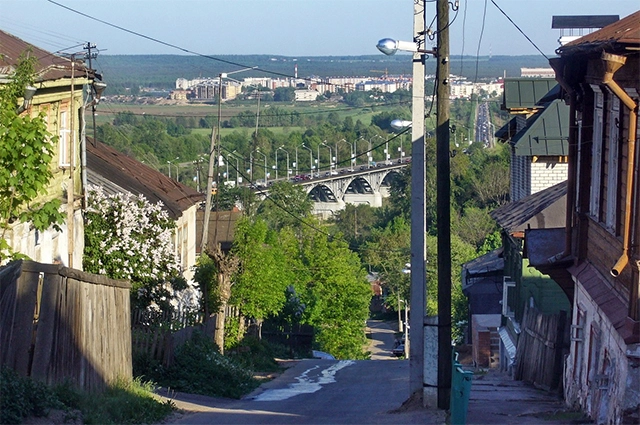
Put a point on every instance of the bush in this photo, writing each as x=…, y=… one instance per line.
x=127, y=402
x=124, y=402
x=22, y=397
x=255, y=354
x=200, y=368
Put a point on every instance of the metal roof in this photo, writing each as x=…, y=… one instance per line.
x=582, y=21
x=624, y=32
x=546, y=132
x=49, y=67
x=525, y=93
x=530, y=210
x=106, y=164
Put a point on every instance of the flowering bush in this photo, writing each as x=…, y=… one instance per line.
x=127, y=237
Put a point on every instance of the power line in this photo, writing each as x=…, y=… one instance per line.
x=518, y=28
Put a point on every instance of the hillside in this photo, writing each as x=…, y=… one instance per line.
x=161, y=71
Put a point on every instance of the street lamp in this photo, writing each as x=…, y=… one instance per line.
x=401, y=125
x=265, y=165
x=310, y=158
x=416, y=338
x=330, y=155
x=285, y=151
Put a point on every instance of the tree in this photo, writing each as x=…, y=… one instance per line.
x=26, y=151
x=127, y=237
x=286, y=206
x=262, y=279
x=336, y=295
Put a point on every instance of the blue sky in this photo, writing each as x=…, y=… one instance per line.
x=287, y=27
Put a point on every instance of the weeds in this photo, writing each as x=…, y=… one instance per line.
x=123, y=402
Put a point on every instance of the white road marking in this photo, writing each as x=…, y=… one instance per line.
x=305, y=384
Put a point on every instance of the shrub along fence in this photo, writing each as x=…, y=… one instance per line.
x=157, y=335
x=62, y=325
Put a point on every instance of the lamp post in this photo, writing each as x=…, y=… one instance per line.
x=265, y=166
x=296, y=164
x=330, y=155
x=287, y=152
x=400, y=125
x=418, y=210
x=310, y=158
x=212, y=162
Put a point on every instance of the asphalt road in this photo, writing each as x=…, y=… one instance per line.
x=322, y=392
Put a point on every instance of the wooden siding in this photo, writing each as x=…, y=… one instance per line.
x=62, y=325
x=603, y=250
x=541, y=348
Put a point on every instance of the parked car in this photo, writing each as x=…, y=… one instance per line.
x=398, y=350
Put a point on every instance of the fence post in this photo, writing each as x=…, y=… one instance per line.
x=460, y=392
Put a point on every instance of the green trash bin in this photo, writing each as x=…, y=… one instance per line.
x=460, y=392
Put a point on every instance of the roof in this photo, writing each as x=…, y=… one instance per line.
x=488, y=263
x=49, y=66
x=546, y=132
x=619, y=34
x=525, y=93
x=530, y=210
x=582, y=21
x=116, y=171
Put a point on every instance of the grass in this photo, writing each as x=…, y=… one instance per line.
x=123, y=402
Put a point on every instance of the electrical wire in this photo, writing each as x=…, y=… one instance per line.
x=464, y=25
x=484, y=19
x=518, y=28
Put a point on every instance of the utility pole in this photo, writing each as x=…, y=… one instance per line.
x=443, y=208
x=418, y=213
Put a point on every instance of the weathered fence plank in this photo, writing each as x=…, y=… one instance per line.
x=59, y=324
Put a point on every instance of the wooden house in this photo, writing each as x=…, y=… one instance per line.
x=600, y=74
x=64, y=87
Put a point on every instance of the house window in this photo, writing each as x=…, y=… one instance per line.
x=65, y=139
x=508, y=294
x=596, y=158
x=613, y=124
x=577, y=337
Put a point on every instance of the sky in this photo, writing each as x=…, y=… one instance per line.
x=287, y=27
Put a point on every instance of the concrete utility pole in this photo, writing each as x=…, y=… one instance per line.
x=443, y=207
x=418, y=213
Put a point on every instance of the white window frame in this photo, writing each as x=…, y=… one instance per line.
x=64, y=141
x=506, y=284
x=596, y=157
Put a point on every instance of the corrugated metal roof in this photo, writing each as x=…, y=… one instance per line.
x=514, y=215
x=106, y=163
x=624, y=32
x=49, y=67
x=525, y=93
x=546, y=132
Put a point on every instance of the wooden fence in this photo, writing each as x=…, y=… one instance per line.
x=542, y=346
x=63, y=325
x=158, y=335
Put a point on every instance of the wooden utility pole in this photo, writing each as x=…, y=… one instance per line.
x=443, y=207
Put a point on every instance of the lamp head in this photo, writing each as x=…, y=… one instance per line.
x=400, y=124
x=390, y=46
x=98, y=88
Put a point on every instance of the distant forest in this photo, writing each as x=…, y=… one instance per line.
x=126, y=73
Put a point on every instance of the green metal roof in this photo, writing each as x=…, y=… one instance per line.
x=546, y=132
x=525, y=93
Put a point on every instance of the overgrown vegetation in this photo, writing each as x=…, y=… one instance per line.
x=26, y=152
x=123, y=402
x=199, y=368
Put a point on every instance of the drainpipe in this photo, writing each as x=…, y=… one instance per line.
x=612, y=64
